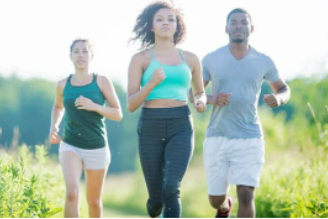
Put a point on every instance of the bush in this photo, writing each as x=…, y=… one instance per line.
x=28, y=188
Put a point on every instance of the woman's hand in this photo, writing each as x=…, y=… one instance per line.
x=53, y=136
x=85, y=104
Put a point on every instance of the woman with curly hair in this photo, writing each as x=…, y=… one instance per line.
x=159, y=78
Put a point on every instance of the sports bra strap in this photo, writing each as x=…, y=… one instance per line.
x=180, y=52
x=152, y=53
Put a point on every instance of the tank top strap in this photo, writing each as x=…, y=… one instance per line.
x=180, y=52
x=152, y=53
x=69, y=79
x=94, y=77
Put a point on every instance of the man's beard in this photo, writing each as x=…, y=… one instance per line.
x=239, y=41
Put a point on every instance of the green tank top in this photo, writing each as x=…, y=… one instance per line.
x=84, y=129
x=174, y=86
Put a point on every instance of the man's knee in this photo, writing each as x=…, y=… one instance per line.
x=217, y=201
x=245, y=195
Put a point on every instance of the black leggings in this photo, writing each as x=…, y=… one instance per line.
x=165, y=148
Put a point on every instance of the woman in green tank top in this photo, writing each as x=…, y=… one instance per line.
x=82, y=96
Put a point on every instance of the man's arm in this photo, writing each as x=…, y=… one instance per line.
x=220, y=99
x=280, y=96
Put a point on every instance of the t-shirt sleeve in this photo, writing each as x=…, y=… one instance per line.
x=272, y=74
x=206, y=73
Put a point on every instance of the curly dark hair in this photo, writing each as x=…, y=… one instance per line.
x=144, y=24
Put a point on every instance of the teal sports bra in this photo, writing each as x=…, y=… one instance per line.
x=174, y=86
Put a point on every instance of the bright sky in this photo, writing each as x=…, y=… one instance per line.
x=36, y=34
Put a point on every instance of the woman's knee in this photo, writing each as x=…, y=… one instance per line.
x=171, y=190
x=94, y=202
x=72, y=194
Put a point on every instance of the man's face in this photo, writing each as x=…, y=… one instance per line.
x=239, y=27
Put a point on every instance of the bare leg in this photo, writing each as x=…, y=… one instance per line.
x=95, y=181
x=72, y=170
x=246, y=201
x=220, y=203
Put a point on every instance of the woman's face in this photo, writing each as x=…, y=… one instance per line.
x=81, y=55
x=164, y=23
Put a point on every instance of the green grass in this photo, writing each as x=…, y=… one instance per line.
x=32, y=186
x=295, y=185
x=294, y=182
x=27, y=187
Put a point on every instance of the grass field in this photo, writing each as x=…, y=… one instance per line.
x=294, y=182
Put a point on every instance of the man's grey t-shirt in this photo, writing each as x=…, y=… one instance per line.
x=243, y=79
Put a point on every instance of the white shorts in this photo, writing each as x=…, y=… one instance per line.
x=95, y=159
x=232, y=161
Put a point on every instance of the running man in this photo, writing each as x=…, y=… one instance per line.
x=234, y=144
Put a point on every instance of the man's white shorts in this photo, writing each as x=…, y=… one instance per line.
x=232, y=161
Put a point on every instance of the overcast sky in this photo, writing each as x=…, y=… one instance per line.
x=36, y=35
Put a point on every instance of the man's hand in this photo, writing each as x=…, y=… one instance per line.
x=222, y=99
x=272, y=100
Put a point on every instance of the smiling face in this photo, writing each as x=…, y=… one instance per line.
x=239, y=27
x=81, y=54
x=164, y=23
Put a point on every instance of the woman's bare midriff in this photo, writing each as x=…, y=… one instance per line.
x=164, y=103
